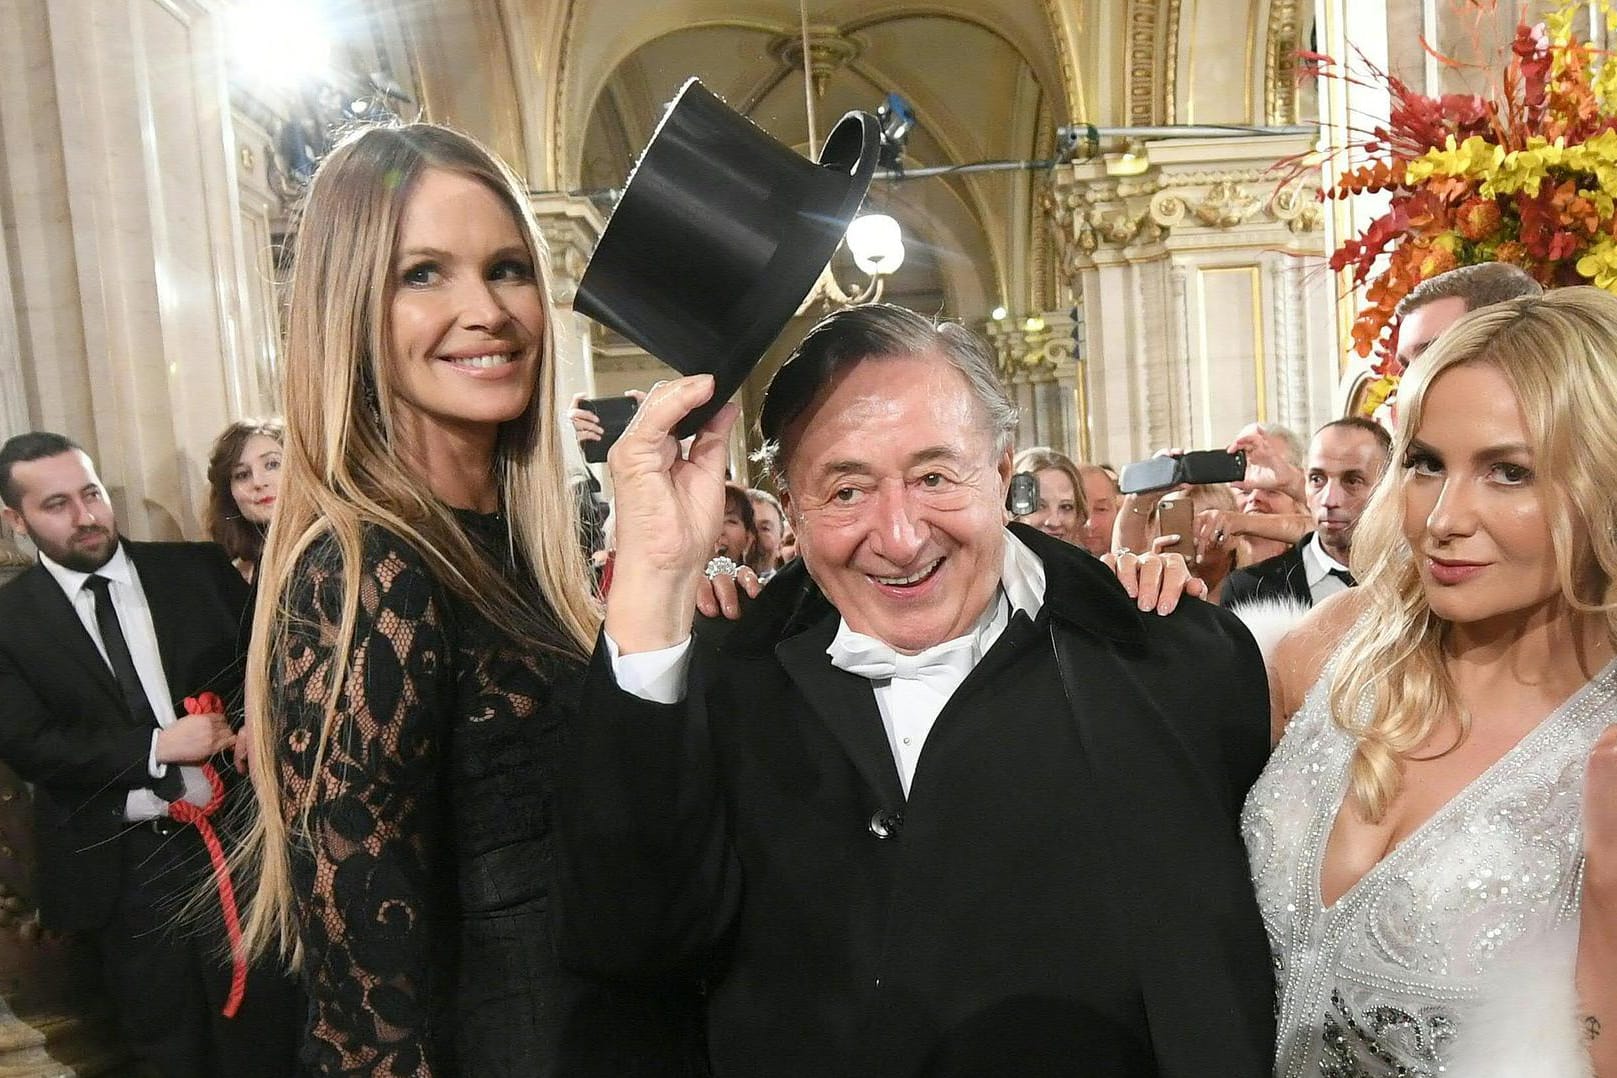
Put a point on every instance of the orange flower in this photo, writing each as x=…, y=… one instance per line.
x=1478, y=218
x=1512, y=252
x=1435, y=260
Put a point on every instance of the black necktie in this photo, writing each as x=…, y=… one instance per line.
x=1345, y=577
x=171, y=785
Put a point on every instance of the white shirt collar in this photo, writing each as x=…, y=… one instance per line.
x=1317, y=563
x=71, y=581
x=1022, y=577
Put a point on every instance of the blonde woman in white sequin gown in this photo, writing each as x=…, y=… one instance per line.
x=1434, y=842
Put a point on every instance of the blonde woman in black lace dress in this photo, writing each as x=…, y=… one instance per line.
x=422, y=614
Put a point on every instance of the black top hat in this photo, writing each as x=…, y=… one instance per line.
x=719, y=236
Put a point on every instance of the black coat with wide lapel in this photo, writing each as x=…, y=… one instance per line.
x=64, y=723
x=735, y=834
x=1284, y=576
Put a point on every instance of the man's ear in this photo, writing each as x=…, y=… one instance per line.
x=1006, y=470
x=14, y=521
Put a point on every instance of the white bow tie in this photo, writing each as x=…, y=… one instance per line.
x=870, y=658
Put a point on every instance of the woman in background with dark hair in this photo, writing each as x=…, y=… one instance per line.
x=738, y=539
x=244, y=481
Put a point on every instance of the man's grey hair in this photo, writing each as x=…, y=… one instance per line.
x=876, y=331
x=1481, y=285
x=1296, y=448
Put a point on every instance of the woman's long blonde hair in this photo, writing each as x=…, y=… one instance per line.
x=1558, y=352
x=341, y=473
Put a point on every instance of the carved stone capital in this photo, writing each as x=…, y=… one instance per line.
x=1299, y=207
x=571, y=227
x=1039, y=348
x=1196, y=194
x=1090, y=212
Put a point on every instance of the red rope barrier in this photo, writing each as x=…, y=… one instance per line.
x=185, y=812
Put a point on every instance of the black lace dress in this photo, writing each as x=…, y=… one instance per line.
x=422, y=877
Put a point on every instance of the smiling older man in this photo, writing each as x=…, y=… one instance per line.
x=945, y=801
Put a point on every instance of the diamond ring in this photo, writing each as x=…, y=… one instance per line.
x=720, y=566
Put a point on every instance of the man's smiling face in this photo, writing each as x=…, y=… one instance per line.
x=896, y=494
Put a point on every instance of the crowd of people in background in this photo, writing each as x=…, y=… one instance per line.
x=861, y=770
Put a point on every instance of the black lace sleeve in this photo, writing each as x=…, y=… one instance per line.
x=365, y=855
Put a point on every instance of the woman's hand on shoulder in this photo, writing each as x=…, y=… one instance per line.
x=1156, y=580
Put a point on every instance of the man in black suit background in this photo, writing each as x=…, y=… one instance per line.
x=944, y=801
x=100, y=643
x=1346, y=459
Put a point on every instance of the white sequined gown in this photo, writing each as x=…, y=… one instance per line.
x=1380, y=984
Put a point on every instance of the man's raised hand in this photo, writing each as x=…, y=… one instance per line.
x=668, y=510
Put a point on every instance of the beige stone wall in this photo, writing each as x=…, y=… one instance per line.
x=125, y=265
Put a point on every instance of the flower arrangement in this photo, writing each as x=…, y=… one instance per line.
x=1525, y=176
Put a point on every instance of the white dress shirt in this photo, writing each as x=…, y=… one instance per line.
x=908, y=706
x=1318, y=566
x=135, y=619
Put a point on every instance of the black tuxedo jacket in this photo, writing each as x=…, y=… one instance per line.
x=1064, y=891
x=1283, y=576
x=64, y=724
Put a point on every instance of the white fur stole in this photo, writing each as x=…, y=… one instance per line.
x=1269, y=620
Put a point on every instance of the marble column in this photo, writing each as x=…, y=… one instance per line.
x=1203, y=292
x=571, y=227
x=127, y=260
x=1042, y=369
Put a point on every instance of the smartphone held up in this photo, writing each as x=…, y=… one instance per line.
x=1194, y=469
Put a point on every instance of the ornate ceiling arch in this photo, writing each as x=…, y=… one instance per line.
x=597, y=41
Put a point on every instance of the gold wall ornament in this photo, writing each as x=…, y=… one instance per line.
x=1153, y=61
x=1226, y=205
x=1280, y=63
x=1299, y=208
x=1170, y=65
x=1105, y=211
x=828, y=50
x=1143, y=63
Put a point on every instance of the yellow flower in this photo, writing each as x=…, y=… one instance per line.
x=1525, y=170
x=1377, y=393
x=1558, y=23
x=1599, y=265
x=1475, y=158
